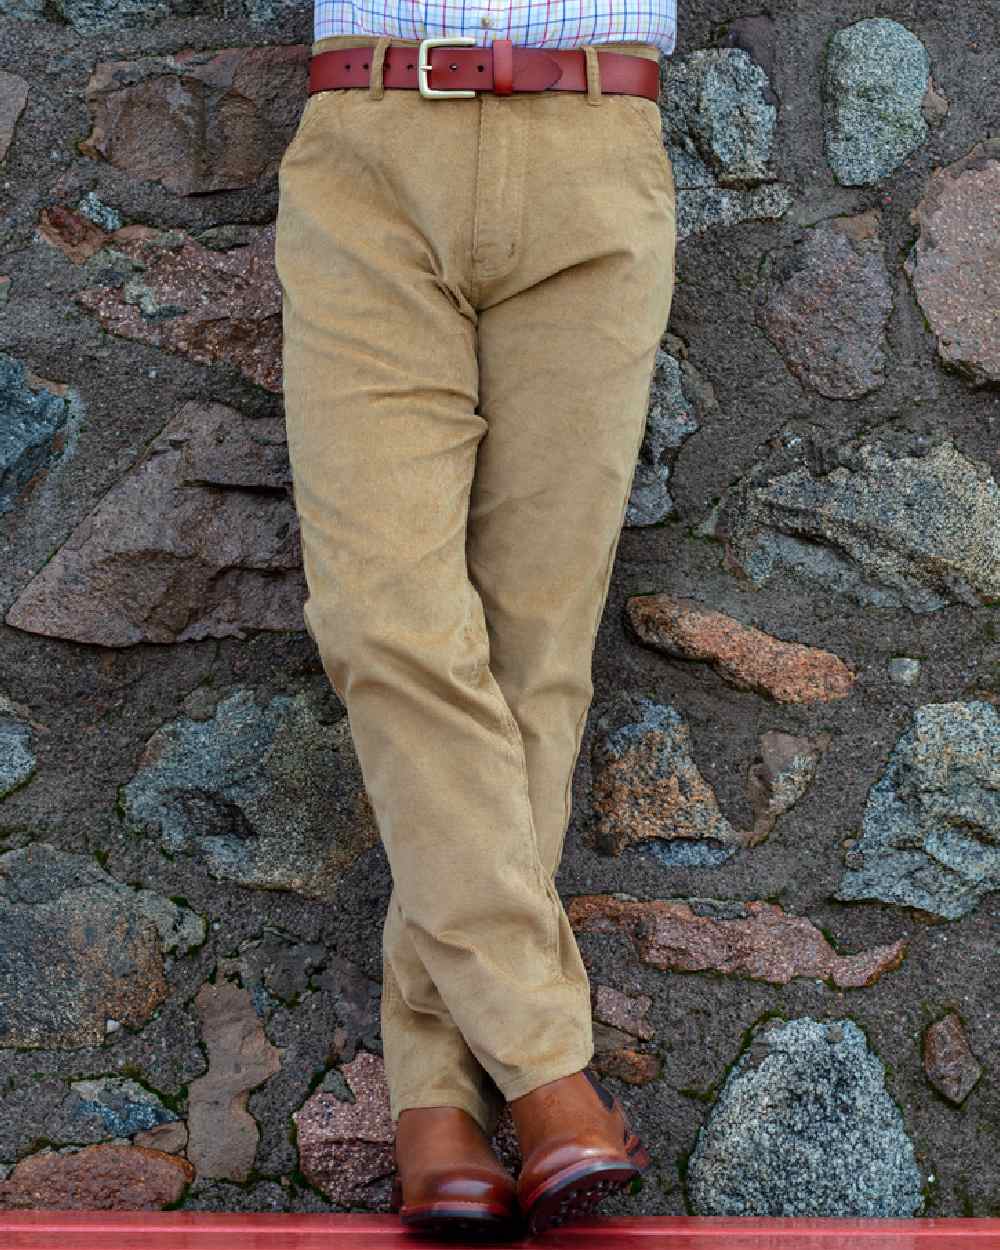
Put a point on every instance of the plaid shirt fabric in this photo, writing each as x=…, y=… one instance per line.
x=531, y=23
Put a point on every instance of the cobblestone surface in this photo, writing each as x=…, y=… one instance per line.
x=784, y=811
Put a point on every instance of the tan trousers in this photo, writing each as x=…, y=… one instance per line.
x=474, y=291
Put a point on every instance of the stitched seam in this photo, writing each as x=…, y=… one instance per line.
x=634, y=104
x=653, y=130
x=310, y=114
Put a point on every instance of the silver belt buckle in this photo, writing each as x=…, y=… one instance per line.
x=424, y=67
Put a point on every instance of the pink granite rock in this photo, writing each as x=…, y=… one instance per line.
x=620, y=1019
x=346, y=1148
x=783, y=771
x=828, y=308
x=950, y=1065
x=170, y=1137
x=646, y=785
x=178, y=549
x=625, y=1063
x=211, y=306
x=198, y=120
x=753, y=939
x=13, y=98
x=955, y=263
x=623, y=1011
x=75, y=236
x=744, y=656
x=222, y=1134
x=108, y=1177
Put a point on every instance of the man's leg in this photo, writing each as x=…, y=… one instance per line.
x=374, y=239
x=567, y=343
x=573, y=295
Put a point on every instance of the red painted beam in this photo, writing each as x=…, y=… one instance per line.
x=269, y=1230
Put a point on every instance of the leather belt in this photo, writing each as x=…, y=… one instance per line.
x=443, y=67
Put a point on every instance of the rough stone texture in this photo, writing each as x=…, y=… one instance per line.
x=621, y=1027
x=98, y=1178
x=752, y=939
x=268, y=796
x=94, y=209
x=357, y=1001
x=222, y=1134
x=679, y=396
x=90, y=16
x=78, y=946
x=268, y=10
x=916, y=525
x=622, y=1011
x=92, y=707
x=931, y=832
x=934, y=105
x=877, y=75
x=345, y=1148
x=200, y=539
x=719, y=119
x=209, y=305
x=646, y=784
x=804, y=1126
x=13, y=98
x=950, y=1065
x=170, y=1137
x=26, y=10
x=17, y=757
x=75, y=235
x=955, y=263
x=747, y=658
x=198, y=121
x=828, y=307
x=624, y=1062
x=783, y=771
x=904, y=670
x=118, y=1106
x=32, y=431
x=275, y=970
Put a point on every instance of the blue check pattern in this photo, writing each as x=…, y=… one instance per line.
x=531, y=23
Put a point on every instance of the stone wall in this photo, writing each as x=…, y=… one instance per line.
x=784, y=861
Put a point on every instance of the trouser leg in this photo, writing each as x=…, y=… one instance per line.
x=381, y=391
x=467, y=684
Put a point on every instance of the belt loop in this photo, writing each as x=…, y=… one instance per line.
x=375, y=89
x=593, y=67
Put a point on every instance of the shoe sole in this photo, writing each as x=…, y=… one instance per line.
x=472, y=1219
x=577, y=1190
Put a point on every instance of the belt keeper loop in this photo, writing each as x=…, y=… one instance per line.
x=593, y=67
x=375, y=88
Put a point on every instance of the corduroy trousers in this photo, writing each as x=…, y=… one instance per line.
x=474, y=291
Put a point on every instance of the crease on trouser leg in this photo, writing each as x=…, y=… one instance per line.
x=455, y=1078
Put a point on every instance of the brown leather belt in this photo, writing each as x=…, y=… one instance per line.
x=442, y=68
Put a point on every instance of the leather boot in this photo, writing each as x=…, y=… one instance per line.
x=448, y=1180
x=577, y=1148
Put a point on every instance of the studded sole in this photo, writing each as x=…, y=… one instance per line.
x=575, y=1192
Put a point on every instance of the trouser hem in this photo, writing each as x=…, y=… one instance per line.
x=484, y=1115
x=572, y=1061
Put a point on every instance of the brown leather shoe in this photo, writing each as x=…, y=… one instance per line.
x=448, y=1180
x=577, y=1148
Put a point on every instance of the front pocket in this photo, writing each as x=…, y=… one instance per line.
x=648, y=111
x=316, y=106
x=646, y=118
